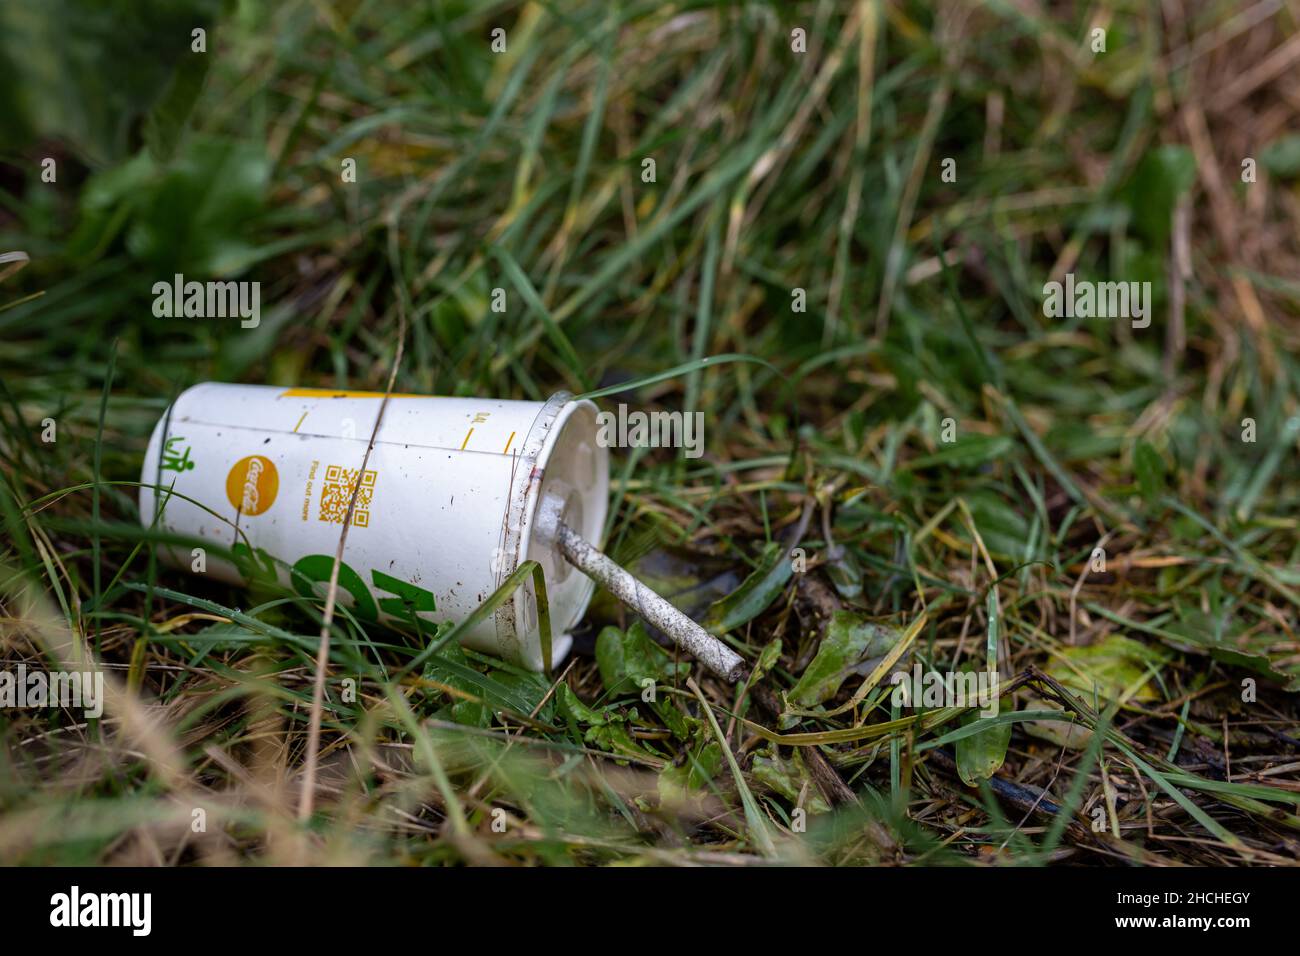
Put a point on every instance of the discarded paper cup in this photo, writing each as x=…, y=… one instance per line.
x=445, y=511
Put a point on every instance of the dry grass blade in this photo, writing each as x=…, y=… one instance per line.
x=306, y=797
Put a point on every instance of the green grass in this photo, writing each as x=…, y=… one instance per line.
x=1123, y=735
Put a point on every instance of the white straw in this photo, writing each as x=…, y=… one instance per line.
x=684, y=632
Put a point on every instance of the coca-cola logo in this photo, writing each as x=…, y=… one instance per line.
x=252, y=485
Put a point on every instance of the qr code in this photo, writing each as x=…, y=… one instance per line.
x=337, y=492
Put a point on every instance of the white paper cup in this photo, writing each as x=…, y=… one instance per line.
x=444, y=515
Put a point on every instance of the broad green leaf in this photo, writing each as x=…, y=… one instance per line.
x=844, y=571
x=1163, y=176
x=1234, y=644
x=1150, y=469
x=789, y=777
x=1282, y=156
x=533, y=689
x=1114, y=666
x=755, y=594
x=703, y=759
x=1109, y=669
x=194, y=216
x=606, y=728
x=850, y=639
x=981, y=755
x=573, y=709
x=447, y=667
x=627, y=659
x=767, y=659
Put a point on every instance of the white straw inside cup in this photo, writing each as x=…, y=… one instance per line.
x=684, y=632
x=599, y=567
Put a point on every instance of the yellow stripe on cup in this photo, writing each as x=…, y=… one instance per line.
x=342, y=393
